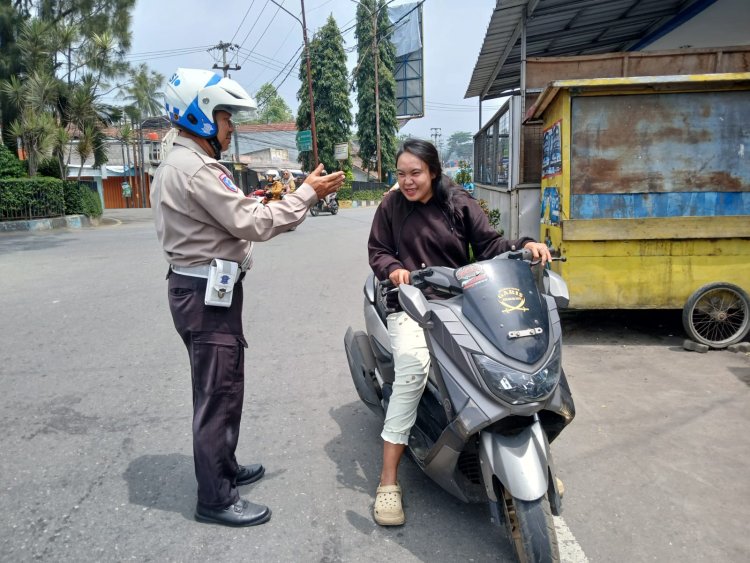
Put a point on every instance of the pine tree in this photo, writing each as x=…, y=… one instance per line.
x=331, y=95
x=365, y=84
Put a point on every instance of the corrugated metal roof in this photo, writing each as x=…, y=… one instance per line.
x=566, y=27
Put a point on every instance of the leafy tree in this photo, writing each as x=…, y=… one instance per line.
x=89, y=36
x=271, y=107
x=461, y=144
x=331, y=94
x=364, y=76
x=143, y=91
x=464, y=175
x=67, y=49
x=33, y=101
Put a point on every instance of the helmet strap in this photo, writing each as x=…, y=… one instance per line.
x=216, y=145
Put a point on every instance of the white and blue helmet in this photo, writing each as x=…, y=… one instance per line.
x=193, y=95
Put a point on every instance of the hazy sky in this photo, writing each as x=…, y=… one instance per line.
x=171, y=33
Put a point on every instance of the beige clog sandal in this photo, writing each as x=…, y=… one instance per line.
x=388, y=510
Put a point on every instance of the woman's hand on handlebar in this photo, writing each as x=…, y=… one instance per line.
x=539, y=251
x=399, y=276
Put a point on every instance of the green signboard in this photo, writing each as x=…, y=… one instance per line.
x=304, y=140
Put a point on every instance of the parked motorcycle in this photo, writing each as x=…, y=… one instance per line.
x=496, y=394
x=329, y=203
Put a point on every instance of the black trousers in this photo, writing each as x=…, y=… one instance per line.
x=215, y=343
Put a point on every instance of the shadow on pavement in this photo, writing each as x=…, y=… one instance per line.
x=162, y=482
x=658, y=327
x=438, y=526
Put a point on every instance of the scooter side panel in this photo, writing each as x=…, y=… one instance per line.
x=375, y=327
x=519, y=461
x=441, y=469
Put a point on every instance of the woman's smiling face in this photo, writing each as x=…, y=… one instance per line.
x=414, y=178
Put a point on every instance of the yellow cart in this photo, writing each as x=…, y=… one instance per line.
x=646, y=192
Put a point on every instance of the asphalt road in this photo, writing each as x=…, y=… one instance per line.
x=95, y=408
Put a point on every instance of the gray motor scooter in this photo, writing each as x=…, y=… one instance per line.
x=496, y=394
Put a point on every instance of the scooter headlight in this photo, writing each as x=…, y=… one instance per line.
x=518, y=387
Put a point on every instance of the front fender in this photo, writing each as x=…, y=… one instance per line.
x=519, y=461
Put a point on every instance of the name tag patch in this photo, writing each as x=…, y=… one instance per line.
x=228, y=184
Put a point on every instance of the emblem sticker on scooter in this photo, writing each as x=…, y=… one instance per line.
x=511, y=299
x=470, y=276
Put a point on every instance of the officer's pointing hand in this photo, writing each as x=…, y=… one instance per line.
x=324, y=185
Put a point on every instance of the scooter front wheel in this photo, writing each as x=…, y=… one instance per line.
x=530, y=528
x=334, y=208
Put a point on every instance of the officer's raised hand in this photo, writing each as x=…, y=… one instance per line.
x=324, y=184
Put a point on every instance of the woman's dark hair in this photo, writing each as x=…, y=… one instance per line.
x=427, y=153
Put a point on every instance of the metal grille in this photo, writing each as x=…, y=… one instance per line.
x=531, y=155
x=468, y=464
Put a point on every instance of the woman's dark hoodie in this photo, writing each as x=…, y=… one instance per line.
x=414, y=235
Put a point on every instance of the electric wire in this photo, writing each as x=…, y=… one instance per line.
x=254, y=24
x=243, y=21
x=252, y=49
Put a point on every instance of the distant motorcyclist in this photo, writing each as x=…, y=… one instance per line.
x=287, y=180
x=274, y=185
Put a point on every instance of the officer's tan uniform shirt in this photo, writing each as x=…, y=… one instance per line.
x=201, y=214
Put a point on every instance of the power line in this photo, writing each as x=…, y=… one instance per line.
x=294, y=56
x=265, y=30
x=243, y=21
x=269, y=64
x=179, y=50
x=254, y=24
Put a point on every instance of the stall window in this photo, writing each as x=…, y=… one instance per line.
x=492, y=151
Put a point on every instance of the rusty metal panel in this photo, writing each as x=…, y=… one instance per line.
x=658, y=155
x=540, y=71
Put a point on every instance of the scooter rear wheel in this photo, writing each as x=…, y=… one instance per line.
x=314, y=210
x=530, y=528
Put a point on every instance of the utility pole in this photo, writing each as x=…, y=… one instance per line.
x=436, y=135
x=224, y=47
x=309, y=86
x=376, y=54
x=303, y=23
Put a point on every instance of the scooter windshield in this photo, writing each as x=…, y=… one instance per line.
x=502, y=301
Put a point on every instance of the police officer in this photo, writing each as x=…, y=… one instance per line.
x=201, y=215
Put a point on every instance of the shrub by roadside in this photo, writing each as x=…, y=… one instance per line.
x=346, y=194
x=10, y=166
x=29, y=198
x=80, y=199
x=38, y=197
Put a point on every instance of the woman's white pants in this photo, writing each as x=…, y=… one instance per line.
x=411, y=362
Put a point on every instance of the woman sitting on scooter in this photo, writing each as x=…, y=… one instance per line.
x=429, y=221
x=287, y=180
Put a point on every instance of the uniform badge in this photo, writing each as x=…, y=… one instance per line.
x=228, y=184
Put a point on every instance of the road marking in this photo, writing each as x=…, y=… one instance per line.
x=570, y=551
